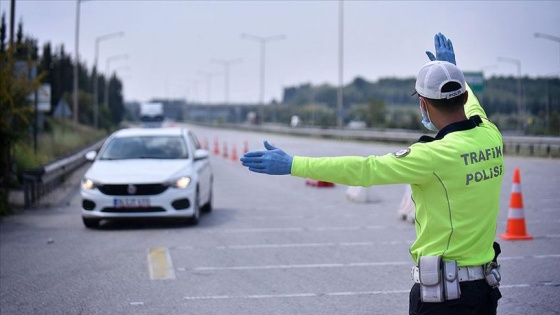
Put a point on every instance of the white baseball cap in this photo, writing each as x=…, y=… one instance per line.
x=434, y=75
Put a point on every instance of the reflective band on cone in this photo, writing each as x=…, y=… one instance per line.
x=516, y=215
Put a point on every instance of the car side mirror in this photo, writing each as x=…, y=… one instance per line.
x=201, y=154
x=90, y=156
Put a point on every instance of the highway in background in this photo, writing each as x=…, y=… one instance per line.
x=272, y=245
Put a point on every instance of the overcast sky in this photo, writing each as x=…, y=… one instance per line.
x=171, y=43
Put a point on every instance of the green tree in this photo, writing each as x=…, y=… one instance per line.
x=372, y=113
x=116, y=104
x=16, y=111
x=3, y=34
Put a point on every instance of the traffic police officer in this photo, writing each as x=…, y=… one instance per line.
x=455, y=179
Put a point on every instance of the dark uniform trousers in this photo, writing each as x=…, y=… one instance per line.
x=477, y=298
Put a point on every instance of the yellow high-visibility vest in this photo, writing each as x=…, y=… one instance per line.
x=455, y=179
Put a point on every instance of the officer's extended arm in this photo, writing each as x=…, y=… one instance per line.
x=346, y=170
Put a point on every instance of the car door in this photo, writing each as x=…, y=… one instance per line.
x=203, y=169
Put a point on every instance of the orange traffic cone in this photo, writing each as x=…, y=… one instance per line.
x=245, y=147
x=234, y=153
x=225, y=154
x=516, y=216
x=216, y=147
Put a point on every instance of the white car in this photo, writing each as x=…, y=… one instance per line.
x=147, y=172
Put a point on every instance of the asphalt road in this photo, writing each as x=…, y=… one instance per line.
x=272, y=245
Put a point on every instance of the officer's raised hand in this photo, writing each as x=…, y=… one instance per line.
x=444, y=49
x=273, y=161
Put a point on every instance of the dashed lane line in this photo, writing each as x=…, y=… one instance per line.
x=303, y=266
x=294, y=245
x=333, y=265
x=311, y=245
x=331, y=294
x=408, y=227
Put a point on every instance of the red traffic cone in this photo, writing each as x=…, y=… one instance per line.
x=245, y=147
x=516, y=215
x=318, y=183
x=216, y=147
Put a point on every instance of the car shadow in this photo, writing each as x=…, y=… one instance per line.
x=218, y=217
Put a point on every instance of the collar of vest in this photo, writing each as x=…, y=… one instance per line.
x=470, y=123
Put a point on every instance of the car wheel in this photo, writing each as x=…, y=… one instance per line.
x=91, y=223
x=196, y=215
x=207, y=208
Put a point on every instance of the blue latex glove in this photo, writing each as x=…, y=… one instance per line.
x=273, y=161
x=444, y=49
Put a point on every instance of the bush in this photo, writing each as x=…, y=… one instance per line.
x=25, y=159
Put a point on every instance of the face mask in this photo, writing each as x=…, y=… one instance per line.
x=426, y=121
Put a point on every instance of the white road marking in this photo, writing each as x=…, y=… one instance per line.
x=303, y=229
x=302, y=266
x=340, y=265
x=407, y=226
x=311, y=245
x=294, y=245
x=294, y=295
x=305, y=295
x=528, y=257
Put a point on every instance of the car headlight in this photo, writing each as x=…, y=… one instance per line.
x=181, y=182
x=88, y=184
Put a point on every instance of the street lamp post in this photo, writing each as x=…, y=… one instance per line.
x=195, y=91
x=95, y=83
x=77, y=57
x=108, y=76
x=549, y=37
x=262, y=41
x=520, y=110
x=226, y=64
x=555, y=39
x=340, y=92
x=76, y=62
x=208, y=76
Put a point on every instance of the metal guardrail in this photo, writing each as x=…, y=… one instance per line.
x=40, y=181
x=520, y=145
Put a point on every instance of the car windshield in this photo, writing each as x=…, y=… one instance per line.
x=145, y=147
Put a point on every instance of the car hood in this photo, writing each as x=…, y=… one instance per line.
x=138, y=171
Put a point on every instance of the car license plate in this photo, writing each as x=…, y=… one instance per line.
x=131, y=202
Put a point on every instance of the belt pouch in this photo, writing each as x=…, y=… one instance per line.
x=452, y=288
x=431, y=284
x=492, y=274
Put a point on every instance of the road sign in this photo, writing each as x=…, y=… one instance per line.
x=475, y=81
x=44, y=98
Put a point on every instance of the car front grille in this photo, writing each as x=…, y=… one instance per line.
x=126, y=190
x=131, y=210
